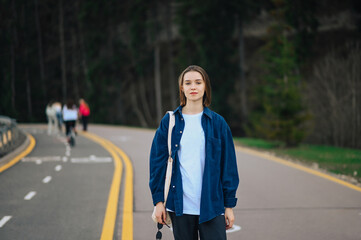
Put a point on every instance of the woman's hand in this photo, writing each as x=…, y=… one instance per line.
x=160, y=212
x=228, y=214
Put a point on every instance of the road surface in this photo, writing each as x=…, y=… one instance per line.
x=275, y=201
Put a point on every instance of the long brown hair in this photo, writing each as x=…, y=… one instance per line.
x=207, y=93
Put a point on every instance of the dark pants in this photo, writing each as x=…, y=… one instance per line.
x=186, y=227
x=84, y=120
x=68, y=126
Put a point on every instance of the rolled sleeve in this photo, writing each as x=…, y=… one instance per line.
x=229, y=174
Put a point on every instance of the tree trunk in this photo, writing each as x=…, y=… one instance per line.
x=74, y=66
x=28, y=92
x=62, y=51
x=172, y=78
x=157, y=77
x=157, y=80
x=82, y=50
x=13, y=44
x=143, y=99
x=40, y=52
x=136, y=109
x=243, y=92
x=12, y=79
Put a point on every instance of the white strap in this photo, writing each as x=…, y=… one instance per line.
x=168, y=174
x=170, y=128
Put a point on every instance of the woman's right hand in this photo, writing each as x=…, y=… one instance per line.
x=160, y=212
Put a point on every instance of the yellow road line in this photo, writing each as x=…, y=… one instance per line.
x=21, y=155
x=299, y=167
x=111, y=211
x=127, y=226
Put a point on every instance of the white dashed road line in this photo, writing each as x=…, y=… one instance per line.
x=58, y=168
x=4, y=220
x=47, y=179
x=92, y=160
x=42, y=159
x=30, y=195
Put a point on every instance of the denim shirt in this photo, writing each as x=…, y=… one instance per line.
x=220, y=177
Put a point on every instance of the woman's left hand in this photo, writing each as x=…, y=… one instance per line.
x=228, y=214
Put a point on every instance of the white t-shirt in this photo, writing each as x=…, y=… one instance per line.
x=70, y=114
x=191, y=159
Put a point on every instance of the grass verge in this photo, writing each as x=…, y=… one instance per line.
x=336, y=160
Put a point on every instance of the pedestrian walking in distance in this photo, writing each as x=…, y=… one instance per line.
x=70, y=116
x=51, y=116
x=84, y=112
x=205, y=177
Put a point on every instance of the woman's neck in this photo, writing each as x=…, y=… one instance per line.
x=192, y=108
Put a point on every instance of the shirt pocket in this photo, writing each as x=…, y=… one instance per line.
x=215, y=155
x=214, y=152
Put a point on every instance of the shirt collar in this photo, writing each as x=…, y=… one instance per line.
x=206, y=111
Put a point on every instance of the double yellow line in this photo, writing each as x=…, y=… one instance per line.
x=111, y=211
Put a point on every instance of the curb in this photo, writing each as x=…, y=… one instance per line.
x=10, y=156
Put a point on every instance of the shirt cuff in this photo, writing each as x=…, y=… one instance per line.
x=158, y=197
x=230, y=202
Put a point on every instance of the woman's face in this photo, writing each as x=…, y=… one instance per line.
x=193, y=86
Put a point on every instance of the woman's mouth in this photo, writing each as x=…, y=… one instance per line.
x=193, y=93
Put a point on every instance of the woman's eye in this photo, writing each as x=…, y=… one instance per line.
x=187, y=83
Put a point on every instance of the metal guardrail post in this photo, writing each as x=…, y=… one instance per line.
x=9, y=134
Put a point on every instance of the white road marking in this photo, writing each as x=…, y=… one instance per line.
x=4, y=220
x=235, y=228
x=92, y=159
x=47, y=179
x=38, y=162
x=58, y=168
x=65, y=159
x=30, y=195
x=67, y=154
x=42, y=159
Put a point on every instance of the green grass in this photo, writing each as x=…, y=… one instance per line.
x=334, y=159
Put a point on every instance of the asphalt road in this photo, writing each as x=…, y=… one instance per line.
x=274, y=201
x=55, y=192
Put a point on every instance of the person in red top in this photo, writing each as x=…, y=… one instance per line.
x=84, y=112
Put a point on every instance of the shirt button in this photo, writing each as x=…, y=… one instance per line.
x=182, y=119
x=180, y=131
x=176, y=145
x=173, y=186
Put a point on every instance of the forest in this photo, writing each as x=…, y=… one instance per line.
x=284, y=70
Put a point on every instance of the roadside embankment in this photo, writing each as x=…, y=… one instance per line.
x=12, y=140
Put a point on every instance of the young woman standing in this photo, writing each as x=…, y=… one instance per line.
x=205, y=177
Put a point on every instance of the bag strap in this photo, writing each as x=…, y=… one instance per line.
x=168, y=174
x=170, y=128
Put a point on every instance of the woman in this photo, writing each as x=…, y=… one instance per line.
x=205, y=177
x=84, y=111
x=70, y=115
x=52, y=120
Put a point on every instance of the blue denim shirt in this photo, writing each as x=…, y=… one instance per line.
x=220, y=177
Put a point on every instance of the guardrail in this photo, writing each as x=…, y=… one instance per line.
x=10, y=135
